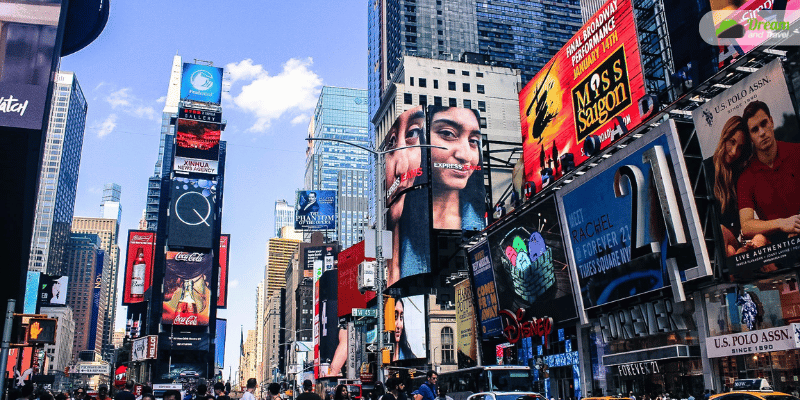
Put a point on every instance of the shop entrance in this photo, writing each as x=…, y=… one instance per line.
x=562, y=383
x=780, y=368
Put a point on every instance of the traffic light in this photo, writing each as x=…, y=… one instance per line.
x=41, y=331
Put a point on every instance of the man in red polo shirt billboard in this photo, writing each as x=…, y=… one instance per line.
x=750, y=138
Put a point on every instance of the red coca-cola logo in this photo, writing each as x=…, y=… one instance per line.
x=189, y=257
x=516, y=328
x=185, y=320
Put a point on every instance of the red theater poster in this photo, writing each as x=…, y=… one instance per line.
x=187, y=295
x=222, y=283
x=138, y=266
x=586, y=92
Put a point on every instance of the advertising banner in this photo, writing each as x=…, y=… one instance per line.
x=332, y=335
x=94, y=369
x=588, y=91
x=195, y=166
x=96, y=289
x=760, y=341
x=219, y=343
x=200, y=115
x=138, y=266
x=197, y=147
x=187, y=294
x=222, y=283
x=201, y=83
x=192, y=212
x=752, y=122
x=410, y=320
x=480, y=261
x=194, y=341
x=31, y=292
x=144, y=348
x=457, y=169
x=466, y=331
x=316, y=210
x=53, y=290
x=529, y=261
x=349, y=295
x=631, y=220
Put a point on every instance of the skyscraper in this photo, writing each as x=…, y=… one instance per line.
x=58, y=182
x=279, y=254
x=110, y=206
x=85, y=263
x=284, y=216
x=341, y=113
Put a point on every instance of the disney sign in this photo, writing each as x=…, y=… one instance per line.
x=516, y=327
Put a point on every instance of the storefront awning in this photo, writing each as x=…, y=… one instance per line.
x=658, y=353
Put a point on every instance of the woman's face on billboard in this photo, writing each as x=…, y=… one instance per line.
x=399, y=324
x=403, y=166
x=734, y=147
x=458, y=130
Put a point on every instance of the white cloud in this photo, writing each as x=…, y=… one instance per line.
x=300, y=119
x=107, y=126
x=120, y=98
x=233, y=284
x=126, y=102
x=161, y=100
x=294, y=90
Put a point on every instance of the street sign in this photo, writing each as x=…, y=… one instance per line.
x=372, y=348
x=365, y=312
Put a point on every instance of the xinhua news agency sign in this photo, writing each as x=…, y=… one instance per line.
x=760, y=341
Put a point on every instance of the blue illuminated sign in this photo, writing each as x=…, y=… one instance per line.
x=201, y=83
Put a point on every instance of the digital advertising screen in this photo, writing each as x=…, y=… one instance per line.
x=197, y=147
x=407, y=196
x=187, y=293
x=630, y=219
x=201, y=83
x=530, y=266
x=466, y=330
x=409, y=328
x=222, y=283
x=589, y=90
x=219, y=347
x=458, y=192
x=332, y=335
x=200, y=115
x=53, y=290
x=97, y=289
x=138, y=266
x=750, y=138
x=315, y=210
x=192, y=212
x=349, y=295
x=480, y=262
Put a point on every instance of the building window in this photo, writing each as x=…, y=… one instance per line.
x=479, y=74
x=483, y=122
x=423, y=100
x=451, y=85
x=435, y=83
x=481, y=105
x=411, y=81
x=481, y=89
x=465, y=87
x=438, y=22
x=440, y=32
x=441, y=42
x=448, y=356
x=467, y=103
x=453, y=102
x=407, y=99
x=438, y=12
x=451, y=71
x=437, y=100
x=465, y=73
x=423, y=82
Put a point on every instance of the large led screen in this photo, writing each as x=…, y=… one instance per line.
x=407, y=196
x=201, y=83
x=409, y=328
x=219, y=343
x=632, y=218
x=197, y=147
x=332, y=335
x=53, y=290
x=316, y=210
x=458, y=193
x=466, y=330
x=480, y=262
x=750, y=139
x=587, y=91
x=530, y=266
x=187, y=294
x=349, y=295
x=222, y=276
x=138, y=266
x=192, y=212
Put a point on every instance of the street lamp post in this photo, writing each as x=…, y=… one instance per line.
x=379, y=205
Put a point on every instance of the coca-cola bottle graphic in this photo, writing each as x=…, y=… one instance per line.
x=137, y=278
x=187, y=305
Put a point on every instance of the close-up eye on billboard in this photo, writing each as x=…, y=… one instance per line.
x=407, y=197
x=409, y=328
x=750, y=138
x=192, y=212
x=458, y=192
x=187, y=294
x=584, y=97
x=201, y=83
x=630, y=219
x=197, y=146
x=138, y=266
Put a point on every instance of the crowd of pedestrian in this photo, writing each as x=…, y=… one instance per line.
x=30, y=392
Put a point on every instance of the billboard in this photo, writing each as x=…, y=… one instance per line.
x=742, y=131
x=529, y=262
x=97, y=287
x=407, y=197
x=144, y=348
x=409, y=336
x=194, y=341
x=316, y=210
x=480, y=262
x=192, y=212
x=200, y=115
x=631, y=223
x=53, y=290
x=197, y=147
x=458, y=191
x=349, y=295
x=466, y=331
x=588, y=91
x=219, y=343
x=222, y=282
x=332, y=334
x=321, y=259
x=31, y=293
x=201, y=83
x=138, y=266
x=187, y=294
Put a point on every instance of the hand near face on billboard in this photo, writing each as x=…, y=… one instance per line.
x=458, y=131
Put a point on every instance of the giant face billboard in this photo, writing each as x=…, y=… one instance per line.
x=630, y=222
x=410, y=320
x=584, y=97
x=316, y=210
x=187, y=294
x=407, y=197
x=197, y=147
x=201, y=83
x=750, y=138
x=530, y=268
x=458, y=193
x=138, y=266
x=192, y=212
x=222, y=281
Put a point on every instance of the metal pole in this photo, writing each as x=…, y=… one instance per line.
x=379, y=177
x=12, y=304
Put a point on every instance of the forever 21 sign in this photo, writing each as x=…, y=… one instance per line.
x=760, y=341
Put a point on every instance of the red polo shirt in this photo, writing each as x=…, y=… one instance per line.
x=773, y=192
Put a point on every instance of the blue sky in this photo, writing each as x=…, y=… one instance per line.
x=277, y=57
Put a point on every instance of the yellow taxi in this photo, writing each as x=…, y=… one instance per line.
x=752, y=389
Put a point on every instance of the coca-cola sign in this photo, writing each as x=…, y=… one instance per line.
x=187, y=288
x=185, y=320
x=189, y=257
